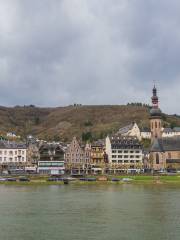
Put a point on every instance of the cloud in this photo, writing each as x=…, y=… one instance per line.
x=58, y=52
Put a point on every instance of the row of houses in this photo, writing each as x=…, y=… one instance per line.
x=76, y=158
x=121, y=152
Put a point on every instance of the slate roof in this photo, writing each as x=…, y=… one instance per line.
x=166, y=144
x=125, y=142
x=50, y=147
x=154, y=112
x=12, y=145
x=166, y=130
x=125, y=129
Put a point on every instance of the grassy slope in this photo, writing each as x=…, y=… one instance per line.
x=69, y=121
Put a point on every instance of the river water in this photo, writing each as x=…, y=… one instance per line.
x=106, y=212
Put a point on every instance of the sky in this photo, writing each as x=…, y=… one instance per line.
x=60, y=52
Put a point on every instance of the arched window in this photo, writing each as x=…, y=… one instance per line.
x=152, y=125
x=159, y=124
x=157, y=158
x=155, y=124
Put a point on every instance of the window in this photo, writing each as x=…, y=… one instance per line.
x=114, y=161
x=119, y=156
x=131, y=151
x=0, y=152
x=126, y=156
x=132, y=156
x=155, y=124
x=125, y=151
x=113, y=156
x=157, y=158
x=120, y=161
x=169, y=155
x=119, y=151
x=113, y=151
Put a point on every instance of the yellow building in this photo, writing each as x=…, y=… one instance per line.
x=98, y=157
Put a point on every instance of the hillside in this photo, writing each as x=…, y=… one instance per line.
x=65, y=122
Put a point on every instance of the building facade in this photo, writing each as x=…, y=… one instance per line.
x=77, y=157
x=125, y=154
x=165, y=151
x=51, y=160
x=98, y=158
x=13, y=156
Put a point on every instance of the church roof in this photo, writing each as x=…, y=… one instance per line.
x=157, y=146
x=166, y=144
x=125, y=129
x=155, y=112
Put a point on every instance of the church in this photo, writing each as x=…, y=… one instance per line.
x=164, y=152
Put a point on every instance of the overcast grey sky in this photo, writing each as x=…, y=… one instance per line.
x=57, y=52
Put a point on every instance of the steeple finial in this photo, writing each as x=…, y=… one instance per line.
x=154, y=98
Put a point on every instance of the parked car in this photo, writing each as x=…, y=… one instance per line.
x=11, y=179
x=24, y=179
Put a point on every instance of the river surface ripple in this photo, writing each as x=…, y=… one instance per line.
x=107, y=212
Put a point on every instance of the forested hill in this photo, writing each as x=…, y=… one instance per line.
x=65, y=122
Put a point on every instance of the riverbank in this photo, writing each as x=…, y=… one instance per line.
x=89, y=180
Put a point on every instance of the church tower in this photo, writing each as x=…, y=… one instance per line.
x=155, y=117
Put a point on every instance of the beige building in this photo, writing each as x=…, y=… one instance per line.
x=165, y=154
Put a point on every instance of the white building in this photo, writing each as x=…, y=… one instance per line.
x=133, y=130
x=145, y=134
x=169, y=132
x=130, y=130
x=51, y=167
x=125, y=152
x=11, y=152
